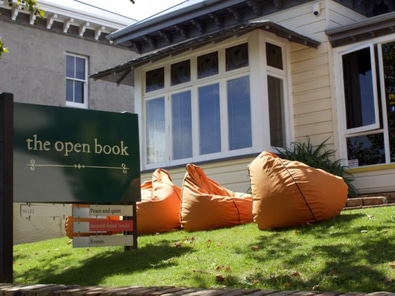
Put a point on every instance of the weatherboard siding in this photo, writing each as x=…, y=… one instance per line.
x=313, y=114
x=232, y=174
x=338, y=15
x=370, y=181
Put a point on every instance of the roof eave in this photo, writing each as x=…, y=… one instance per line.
x=373, y=27
x=123, y=74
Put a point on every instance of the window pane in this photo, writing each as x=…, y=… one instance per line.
x=69, y=91
x=70, y=66
x=80, y=68
x=209, y=119
x=239, y=113
x=78, y=92
x=180, y=72
x=181, y=125
x=274, y=56
x=389, y=79
x=208, y=65
x=365, y=150
x=237, y=57
x=155, y=130
x=155, y=79
x=276, y=111
x=358, y=89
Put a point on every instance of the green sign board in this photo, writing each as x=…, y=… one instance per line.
x=67, y=155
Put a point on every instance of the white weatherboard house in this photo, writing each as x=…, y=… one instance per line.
x=220, y=81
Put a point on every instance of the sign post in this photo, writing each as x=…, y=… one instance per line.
x=6, y=187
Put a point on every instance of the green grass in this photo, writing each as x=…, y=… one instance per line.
x=353, y=252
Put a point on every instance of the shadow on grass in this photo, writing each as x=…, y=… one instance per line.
x=340, y=258
x=93, y=270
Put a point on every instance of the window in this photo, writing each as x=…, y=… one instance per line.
x=274, y=56
x=180, y=72
x=359, y=92
x=237, y=57
x=276, y=112
x=208, y=65
x=156, y=130
x=276, y=78
x=209, y=119
x=205, y=109
x=181, y=116
x=239, y=113
x=76, y=81
x=368, y=103
x=155, y=79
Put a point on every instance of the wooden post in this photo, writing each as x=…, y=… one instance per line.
x=134, y=232
x=6, y=186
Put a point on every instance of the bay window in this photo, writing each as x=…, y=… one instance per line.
x=201, y=108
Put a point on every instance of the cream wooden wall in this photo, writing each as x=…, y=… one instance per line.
x=232, y=174
x=315, y=114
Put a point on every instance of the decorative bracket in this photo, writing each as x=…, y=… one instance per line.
x=15, y=11
x=98, y=32
x=50, y=20
x=83, y=28
x=66, y=25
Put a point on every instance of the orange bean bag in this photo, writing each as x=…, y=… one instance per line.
x=207, y=205
x=69, y=227
x=159, y=208
x=290, y=193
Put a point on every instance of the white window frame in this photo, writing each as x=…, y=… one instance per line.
x=377, y=67
x=282, y=74
x=376, y=111
x=257, y=70
x=85, y=104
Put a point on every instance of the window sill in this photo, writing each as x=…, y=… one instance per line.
x=371, y=168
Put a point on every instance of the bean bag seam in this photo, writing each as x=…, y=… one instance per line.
x=300, y=190
x=237, y=209
x=233, y=201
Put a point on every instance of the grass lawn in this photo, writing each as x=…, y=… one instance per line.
x=354, y=252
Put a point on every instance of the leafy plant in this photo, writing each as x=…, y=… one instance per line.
x=2, y=48
x=321, y=158
x=31, y=6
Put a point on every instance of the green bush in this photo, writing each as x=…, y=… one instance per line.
x=321, y=158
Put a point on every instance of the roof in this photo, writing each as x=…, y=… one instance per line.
x=194, y=18
x=69, y=13
x=123, y=74
x=366, y=29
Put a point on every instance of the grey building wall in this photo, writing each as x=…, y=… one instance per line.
x=34, y=70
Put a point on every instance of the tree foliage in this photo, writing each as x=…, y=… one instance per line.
x=28, y=5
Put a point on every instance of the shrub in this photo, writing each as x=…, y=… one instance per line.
x=321, y=158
